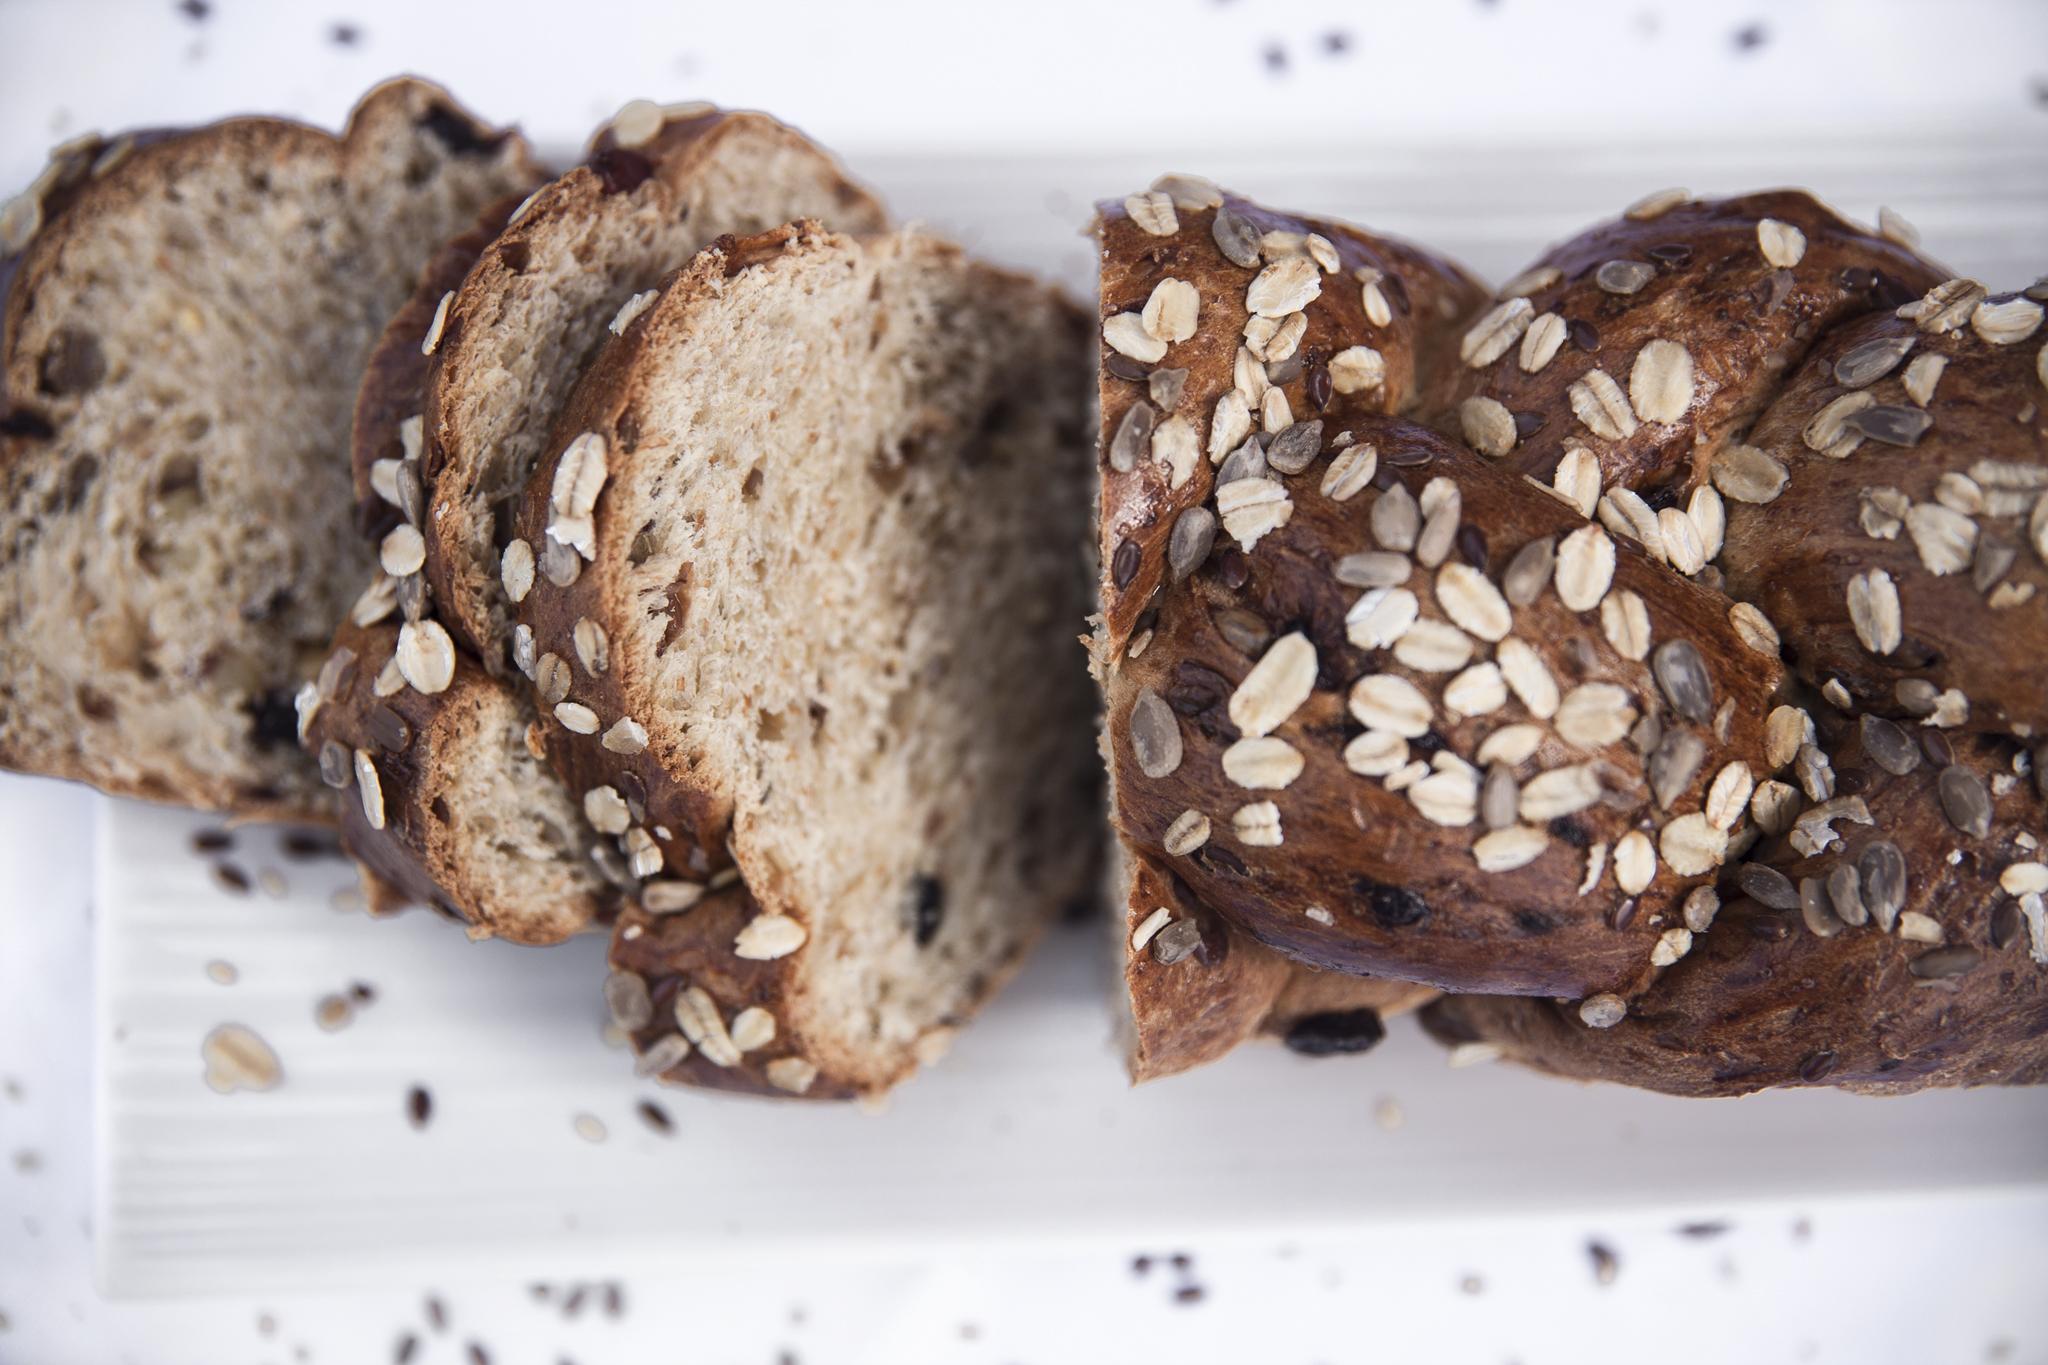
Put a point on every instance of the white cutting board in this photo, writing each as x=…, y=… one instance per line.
x=1027, y=1131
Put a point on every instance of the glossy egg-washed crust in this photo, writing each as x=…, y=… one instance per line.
x=1968, y=562
x=656, y=170
x=1400, y=895
x=1744, y=321
x=419, y=746
x=1765, y=1001
x=1231, y=989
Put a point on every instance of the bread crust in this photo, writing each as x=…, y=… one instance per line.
x=1763, y=1001
x=93, y=183
x=1744, y=321
x=462, y=533
x=1975, y=479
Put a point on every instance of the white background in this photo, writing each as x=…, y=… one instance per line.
x=1486, y=129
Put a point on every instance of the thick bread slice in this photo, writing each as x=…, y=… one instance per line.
x=541, y=296
x=1239, y=988
x=183, y=331
x=447, y=800
x=1891, y=950
x=831, y=492
x=1653, y=340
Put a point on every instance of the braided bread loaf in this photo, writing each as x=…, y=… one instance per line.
x=1504, y=714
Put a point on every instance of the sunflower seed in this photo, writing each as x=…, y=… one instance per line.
x=1892, y=423
x=369, y=788
x=1478, y=691
x=1385, y=701
x=1782, y=244
x=1528, y=573
x=426, y=656
x=1262, y=763
x=1660, y=383
x=560, y=563
x=1380, y=618
x=1286, y=286
x=1153, y=211
x=1236, y=237
x=1965, y=800
x=1155, y=735
x=1945, y=963
x=1276, y=687
x=1673, y=766
x=1624, y=277
x=1488, y=426
x=1747, y=474
x=1559, y=791
x=1874, y=610
x=1845, y=894
x=1508, y=848
x=2007, y=323
x=1500, y=797
x=1635, y=862
x=1357, y=369
x=1396, y=520
x=1754, y=628
x=1863, y=365
x=1194, y=535
x=1372, y=569
x=1252, y=508
x=1127, y=335
x=1585, y=568
x=1133, y=435
x=1682, y=674
x=1488, y=339
x=1767, y=886
x=1376, y=753
x=1296, y=446
x=1577, y=479
x=1165, y=387
x=1257, y=825
x=1449, y=798
x=1815, y=910
x=1945, y=307
x=1946, y=539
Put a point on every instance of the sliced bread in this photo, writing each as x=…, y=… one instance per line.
x=186, y=316
x=512, y=339
x=813, y=665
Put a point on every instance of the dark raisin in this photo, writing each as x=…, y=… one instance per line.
x=928, y=907
x=1393, y=907
x=1534, y=922
x=1336, y=1033
x=1233, y=570
x=26, y=422
x=273, y=719
x=459, y=135
x=1471, y=543
x=621, y=171
x=419, y=1106
x=1320, y=386
x=1396, y=292
x=1817, y=1066
x=1583, y=334
x=1223, y=858
x=1527, y=424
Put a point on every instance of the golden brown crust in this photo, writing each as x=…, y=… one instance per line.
x=1953, y=520
x=1764, y=1001
x=1706, y=286
x=659, y=170
x=420, y=746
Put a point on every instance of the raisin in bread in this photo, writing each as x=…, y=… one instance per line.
x=706, y=170
x=822, y=499
x=450, y=803
x=186, y=316
x=658, y=186
x=1894, y=938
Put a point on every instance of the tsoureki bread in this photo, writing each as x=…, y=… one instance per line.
x=186, y=317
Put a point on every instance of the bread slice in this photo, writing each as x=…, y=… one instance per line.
x=814, y=663
x=183, y=331
x=657, y=188
x=448, y=801
x=705, y=169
